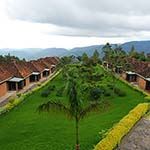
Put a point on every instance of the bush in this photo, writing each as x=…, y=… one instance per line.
x=122, y=128
x=45, y=93
x=95, y=93
x=19, y=94
x=147, y=98
x=119, y=92
x=110, y=86
x=107, y=93
x=59, y=92
x=51, y=88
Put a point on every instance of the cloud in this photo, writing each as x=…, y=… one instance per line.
x=98, y=18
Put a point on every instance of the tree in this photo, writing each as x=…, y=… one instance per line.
x=107, y=50
x=73, y=110
x=85, y=59
x=95, y=57
x=133, y=52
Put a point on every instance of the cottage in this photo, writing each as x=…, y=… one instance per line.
x=52, y=61
x=140, y=73
x=41, y=68
x=129, y=76
x=35, y=75
x=144, y=79
x=47, y=70
x=4, y=77
x=20, y=73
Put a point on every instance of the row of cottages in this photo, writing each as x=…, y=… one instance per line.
x=139, y=75
x=17, y=75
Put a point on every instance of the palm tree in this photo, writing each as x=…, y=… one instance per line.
x=74, y=109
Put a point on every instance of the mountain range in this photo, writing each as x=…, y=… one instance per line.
x=34, y=53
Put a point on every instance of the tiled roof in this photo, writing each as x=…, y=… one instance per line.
x=51, y=60
x=23, y=69
x=38, y=65
x=32, y=67
x=18, y=69
x=4, y=74
x=45, y=63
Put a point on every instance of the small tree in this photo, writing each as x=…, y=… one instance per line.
x=95, y=57
x=85, y=59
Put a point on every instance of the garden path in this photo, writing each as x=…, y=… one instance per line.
x=139, y=137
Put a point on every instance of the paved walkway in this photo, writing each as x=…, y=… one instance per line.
x=139, y=137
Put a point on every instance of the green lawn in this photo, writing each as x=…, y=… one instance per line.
x=24, y=128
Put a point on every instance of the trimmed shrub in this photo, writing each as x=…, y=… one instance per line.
x=51, y=87
x=119, y=92
x=107, y=93
x=45, y=93
x=19, y=94
x=122, y=128
x=59, y=92
x=147, y=98
x=95, y=93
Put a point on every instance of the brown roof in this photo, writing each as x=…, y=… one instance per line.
x=18, y=69
x=38, y=65
x=32, y=67
x=51, y=60
x=140, y=67
x=23, y=69
x=4, y=74
x=45, y=63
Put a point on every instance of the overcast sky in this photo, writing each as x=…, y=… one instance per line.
x=72, y=23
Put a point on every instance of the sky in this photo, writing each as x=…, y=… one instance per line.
x=72, y=23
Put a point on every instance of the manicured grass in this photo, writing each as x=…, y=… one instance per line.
x=24, y=128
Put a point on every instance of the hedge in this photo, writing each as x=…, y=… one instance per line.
x=14, y=102
x=114, y=136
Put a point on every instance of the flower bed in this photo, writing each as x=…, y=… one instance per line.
x=122, y=128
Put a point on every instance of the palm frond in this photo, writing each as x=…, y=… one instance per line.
x=54, y=106
x=88, y=109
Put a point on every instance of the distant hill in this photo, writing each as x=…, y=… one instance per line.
x=34, y=53
x=78, y=51
x=139, y=46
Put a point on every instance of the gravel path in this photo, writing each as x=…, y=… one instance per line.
x=138, y=138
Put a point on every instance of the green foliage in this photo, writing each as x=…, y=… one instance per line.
x=45, y=93
x=19, y=94
x=96, y=93
x=96, y=58
x=107, y=93
x=119, y=92
x=8, y=58
x=85, y=59
x=51, y=87
x=28, y=122
x=147, y=98
x=59, y=92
